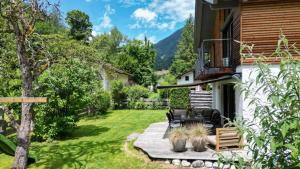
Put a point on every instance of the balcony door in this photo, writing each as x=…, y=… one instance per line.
x=229, y=101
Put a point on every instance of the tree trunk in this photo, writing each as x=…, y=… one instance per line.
x=23, y=135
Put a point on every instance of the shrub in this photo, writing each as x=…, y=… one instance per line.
x=137, y=92
x=99, y=101
x=118, y=94
x=163, y=93
x=69, y=90
x=273, y=133
x=180, y=98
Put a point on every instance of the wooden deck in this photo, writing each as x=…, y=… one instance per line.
x=154, y=143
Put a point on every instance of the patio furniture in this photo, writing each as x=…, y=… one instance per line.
x=172, y=122
x=174, y=117
x=208, y=126
x=210, y=116
x=228, y=139
x=191, y=120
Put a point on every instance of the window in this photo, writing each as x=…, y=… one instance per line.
x=187, y=78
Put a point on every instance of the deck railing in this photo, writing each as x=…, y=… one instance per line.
x=214, y=53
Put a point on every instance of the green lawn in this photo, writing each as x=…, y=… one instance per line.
x=96, y=143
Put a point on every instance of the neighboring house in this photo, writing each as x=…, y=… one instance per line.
x=218, y=23
x=188, y=78
x=108, y=73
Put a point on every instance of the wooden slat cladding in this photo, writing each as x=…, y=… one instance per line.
x=262, y=22
x=236, y=36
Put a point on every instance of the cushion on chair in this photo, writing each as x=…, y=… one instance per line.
x=212, y=140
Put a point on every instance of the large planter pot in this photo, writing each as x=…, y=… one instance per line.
x=199, y=144
x=179, y=145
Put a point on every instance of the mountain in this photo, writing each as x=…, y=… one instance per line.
x=166, y=50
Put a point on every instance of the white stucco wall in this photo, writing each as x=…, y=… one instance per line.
x=249, y=73
x=182, y=79
x=241, y=105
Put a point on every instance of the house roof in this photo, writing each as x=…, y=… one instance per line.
x=185, y=72
x=204, y=22
x=111, y=67
x=205, y=15
x=226, y=77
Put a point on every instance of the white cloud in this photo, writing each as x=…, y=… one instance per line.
x=163, y=14
x=129, y=3
x=105, y=20
x=173, y=9
x=94, y=33
x=144, y=15
x=142, y=36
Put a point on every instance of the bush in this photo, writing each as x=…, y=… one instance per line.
x=69, y=90
x=273, y=133
x=163, y=93
x=118, y=94
x=179, y=98
x=137, y=92
x=99, y=101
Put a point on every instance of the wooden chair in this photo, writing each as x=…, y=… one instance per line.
x=228, y=139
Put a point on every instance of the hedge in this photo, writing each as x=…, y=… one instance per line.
x=179, y=98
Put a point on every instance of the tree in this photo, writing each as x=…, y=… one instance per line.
x=137, y=57
x=185, y=57
x=20, y=18
x=108, y=44
x=80, y=25
x=51, y=24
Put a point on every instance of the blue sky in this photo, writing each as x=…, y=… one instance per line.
x=155, y=19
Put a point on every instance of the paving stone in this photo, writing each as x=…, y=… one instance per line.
x=198, y=164
x=185, y=163
x=208, y=164
x=176, y=162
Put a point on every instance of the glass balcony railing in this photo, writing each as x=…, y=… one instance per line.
x=214, y=54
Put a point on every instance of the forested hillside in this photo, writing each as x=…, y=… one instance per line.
x=166, y=50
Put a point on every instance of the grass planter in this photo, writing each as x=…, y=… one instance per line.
x=198, y=137
x=178, y=138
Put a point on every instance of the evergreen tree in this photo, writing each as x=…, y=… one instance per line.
x=185, y=57
x=80, y=25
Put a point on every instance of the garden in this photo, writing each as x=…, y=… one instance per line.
x=96, y=142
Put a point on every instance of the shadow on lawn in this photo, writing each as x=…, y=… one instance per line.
x=102, y=115
x=76, y=155
x=86, y=131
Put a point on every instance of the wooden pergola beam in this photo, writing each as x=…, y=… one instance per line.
x=23, y=100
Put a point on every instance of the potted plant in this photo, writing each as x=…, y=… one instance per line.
x=198, y=137
x=180, y=101
x=178, y=137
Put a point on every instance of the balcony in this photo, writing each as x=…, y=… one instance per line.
x=215, y=59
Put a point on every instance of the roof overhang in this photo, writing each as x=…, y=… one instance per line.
x=236, y=76
x=205, y=16
x=204, y=22
x=222, y=4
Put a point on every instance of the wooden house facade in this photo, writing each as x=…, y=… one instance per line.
x=219, y=27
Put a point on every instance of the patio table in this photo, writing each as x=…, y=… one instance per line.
x=190, y=120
